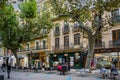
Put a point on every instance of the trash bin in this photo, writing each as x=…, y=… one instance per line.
x=1, y=77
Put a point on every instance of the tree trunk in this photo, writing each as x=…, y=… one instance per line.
x=16, y=56
x=91, y=44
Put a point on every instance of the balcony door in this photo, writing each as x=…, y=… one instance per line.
x=37, y=45
x=44, y=44
x=66, y=42
x=56, y=43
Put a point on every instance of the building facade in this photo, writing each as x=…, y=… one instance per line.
x=107, y=47
x=67, y=44
x=34, y=53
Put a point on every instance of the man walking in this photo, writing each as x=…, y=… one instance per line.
x=8, y=70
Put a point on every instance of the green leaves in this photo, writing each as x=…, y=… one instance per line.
x=28, y=9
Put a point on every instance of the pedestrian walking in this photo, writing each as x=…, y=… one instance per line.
x=8, y=70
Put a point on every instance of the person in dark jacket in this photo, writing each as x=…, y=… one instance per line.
x=114, y=70
x=8, y=70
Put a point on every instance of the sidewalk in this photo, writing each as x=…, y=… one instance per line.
x=19, y=75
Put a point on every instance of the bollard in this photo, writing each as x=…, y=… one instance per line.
x=1, y=77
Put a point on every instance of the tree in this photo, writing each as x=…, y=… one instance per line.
x=92, y=15
x=19, y=27
x=9, y=29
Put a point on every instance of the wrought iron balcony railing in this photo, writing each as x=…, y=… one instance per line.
x=113, y=44
x=116, y=18
x=66, y=30
x=57, y=32
x=100, y=44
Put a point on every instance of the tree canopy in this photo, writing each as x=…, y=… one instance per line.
x=23, y=26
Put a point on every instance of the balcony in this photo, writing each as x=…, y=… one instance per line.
x=113, y=44
x=39, y=48
x=57, y=32
x=33, y=48
x=65, y=30
x=24, y=50
x=70, y=46
x=76, y=27
x=100, y=45
x=62, y=47
x=116, y=19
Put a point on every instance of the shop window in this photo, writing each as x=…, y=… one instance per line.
x=77, y=60
x=77, y=39
x=71, y=61
x=55, y=60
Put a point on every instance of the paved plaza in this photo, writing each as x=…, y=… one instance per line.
x=47, y=75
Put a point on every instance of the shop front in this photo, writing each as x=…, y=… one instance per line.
x=33, y=59
x=37, y=59
x=75, y=59
x=23, y=59
x=107, y=59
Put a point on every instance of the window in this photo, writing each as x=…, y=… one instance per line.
x=98, y=41
x=115, y=15
x=37, y=45
x=44, y=31
x=57, y=28
x=66, y=41
x=116, y=35
x=66, y=26
x=56, y=42
x=44, y=44
x=77, y=39
x=76, y=25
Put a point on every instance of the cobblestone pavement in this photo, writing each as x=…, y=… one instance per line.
x=20, y=75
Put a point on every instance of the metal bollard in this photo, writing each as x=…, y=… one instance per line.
x=1, y=77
